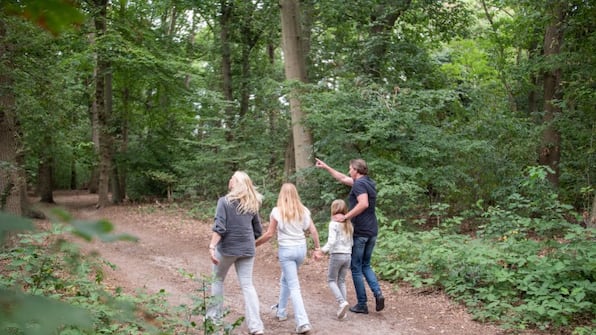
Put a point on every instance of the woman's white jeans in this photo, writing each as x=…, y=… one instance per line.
x=290, y=259
x=244, y=270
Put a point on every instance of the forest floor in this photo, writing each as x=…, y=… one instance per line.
x=171, y=241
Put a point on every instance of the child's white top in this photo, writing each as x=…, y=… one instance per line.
x=338, y=242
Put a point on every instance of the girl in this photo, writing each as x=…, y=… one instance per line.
x=290, y=219
x=339, y=246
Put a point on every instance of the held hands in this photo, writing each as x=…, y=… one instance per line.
x=317, y=254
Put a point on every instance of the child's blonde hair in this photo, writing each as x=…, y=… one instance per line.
x=290, y=207
x=339, y=206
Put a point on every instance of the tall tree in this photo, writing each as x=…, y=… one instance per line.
x=550, y=148
x=103, y=91
x=295, y=68
x=12, y=181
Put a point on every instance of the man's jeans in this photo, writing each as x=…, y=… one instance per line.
x=361, y=254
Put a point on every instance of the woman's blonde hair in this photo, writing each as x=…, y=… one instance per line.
x=242, y=190
x=290, y=207
x=339, y=206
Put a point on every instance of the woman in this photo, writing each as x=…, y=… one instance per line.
x=237, y=225
x=290, y=219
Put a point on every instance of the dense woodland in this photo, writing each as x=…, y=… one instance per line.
x=477, y=119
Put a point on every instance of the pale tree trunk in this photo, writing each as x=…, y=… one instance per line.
x=93, y=184
x=225, y=22
x=13, y=189
x=102, y=90
x=592, y=221
x=550, y=148
x=295, y=68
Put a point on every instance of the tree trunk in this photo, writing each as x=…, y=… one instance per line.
x=45, y=179
x=93, y=184
x=13, y=189
x=103, y=100
x=550, y=148
x=295, y=68
x=226, y=63
x=592, y=221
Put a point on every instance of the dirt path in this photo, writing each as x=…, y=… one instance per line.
x=169, y=241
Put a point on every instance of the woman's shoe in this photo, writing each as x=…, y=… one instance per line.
x=304, y=329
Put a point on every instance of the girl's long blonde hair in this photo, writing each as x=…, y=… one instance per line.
x=290, y=207
x=339, y=206
x=242, y=190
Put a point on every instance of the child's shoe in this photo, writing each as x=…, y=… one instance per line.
x=343, y=310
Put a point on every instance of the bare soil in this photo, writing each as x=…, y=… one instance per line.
x=170, y=241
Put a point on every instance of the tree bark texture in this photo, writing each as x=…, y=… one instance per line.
x=295, y=69
x=226, y=63
x=550, y=148
x=102, y=89
x=13, y=191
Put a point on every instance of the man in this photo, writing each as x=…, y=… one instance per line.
x=362, y=200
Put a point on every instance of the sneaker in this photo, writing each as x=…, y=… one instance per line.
x=359, y=309
x=380, y=302
x=343, y=309
x=258, y=332
x=304, y=329
x=279, y=318
x=344, y=317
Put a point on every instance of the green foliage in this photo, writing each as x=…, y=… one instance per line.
x=53, y=15
x=48, y=287
x=530, y=268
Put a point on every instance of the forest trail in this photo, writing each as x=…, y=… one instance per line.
x=171, y=241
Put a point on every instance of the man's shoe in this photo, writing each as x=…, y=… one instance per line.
x=380, y=302
x=359, y=309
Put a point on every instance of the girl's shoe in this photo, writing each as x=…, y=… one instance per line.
x=343, y=310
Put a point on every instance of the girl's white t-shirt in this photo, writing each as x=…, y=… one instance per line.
x=291, y=233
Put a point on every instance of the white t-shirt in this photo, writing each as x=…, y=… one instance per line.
x=291, y=233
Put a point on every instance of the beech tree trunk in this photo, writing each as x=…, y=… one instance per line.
x=295, y=69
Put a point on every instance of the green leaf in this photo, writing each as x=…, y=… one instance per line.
x=36, y=315
x=99, y=228
x=11, y=223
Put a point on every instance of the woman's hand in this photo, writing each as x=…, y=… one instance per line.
x=317, y=254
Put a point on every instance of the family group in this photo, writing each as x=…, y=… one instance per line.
x=237, y=231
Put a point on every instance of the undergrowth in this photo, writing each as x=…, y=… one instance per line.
x=47, y=286
x=527, y=268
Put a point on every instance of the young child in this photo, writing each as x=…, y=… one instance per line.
x=339, y=246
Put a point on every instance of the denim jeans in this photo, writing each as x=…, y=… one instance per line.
x=361, y=254
x=290, y=259
x=336, y=275
x=244, y=270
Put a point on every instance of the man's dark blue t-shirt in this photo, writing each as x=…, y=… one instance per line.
x=365, y=223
